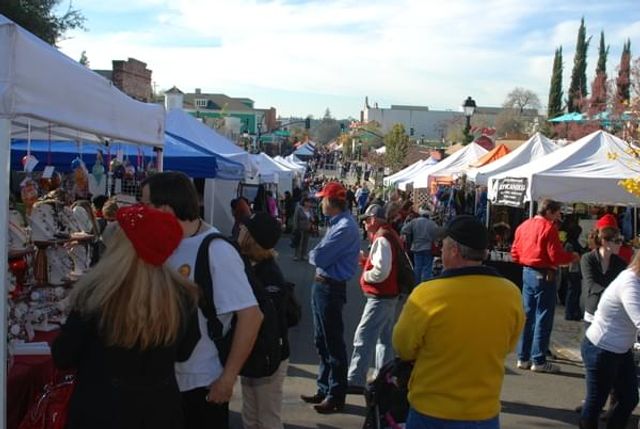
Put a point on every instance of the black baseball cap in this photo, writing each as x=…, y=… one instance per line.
x=468, y=231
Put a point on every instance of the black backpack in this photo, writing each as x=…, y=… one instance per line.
x=264, y=359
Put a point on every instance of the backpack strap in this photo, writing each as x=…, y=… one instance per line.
x=202, y=277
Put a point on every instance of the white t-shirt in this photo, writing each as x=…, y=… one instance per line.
x=231, y=292
x=617, y=318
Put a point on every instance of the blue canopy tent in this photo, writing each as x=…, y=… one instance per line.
x=568, y=117
x=179, y=155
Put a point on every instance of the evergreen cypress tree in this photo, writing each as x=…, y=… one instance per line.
x=598, y=101
x=578, y=87
x=623, y=83
x=555, y=91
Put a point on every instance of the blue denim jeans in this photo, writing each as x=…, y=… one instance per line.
x=415, y=420
x=605, y=371
x=326, y=305
x=539, y=299
x=373, y=333
x=422, y=265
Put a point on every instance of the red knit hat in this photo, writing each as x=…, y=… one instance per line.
x=607, y=221
x=333, y=190
x=154, y=234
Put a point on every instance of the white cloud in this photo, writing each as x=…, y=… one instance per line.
x=423, y=52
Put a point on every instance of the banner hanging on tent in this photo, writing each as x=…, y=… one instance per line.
x=511, y=192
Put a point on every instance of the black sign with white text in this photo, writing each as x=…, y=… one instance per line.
x=511, y=191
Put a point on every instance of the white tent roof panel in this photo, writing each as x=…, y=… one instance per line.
x=583, y=171
x=454, y=165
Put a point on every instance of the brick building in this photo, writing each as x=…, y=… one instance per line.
x=132, y=77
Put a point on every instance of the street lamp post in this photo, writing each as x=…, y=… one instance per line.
x=468, y=107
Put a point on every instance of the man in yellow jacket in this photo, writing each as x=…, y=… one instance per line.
x=458, y=328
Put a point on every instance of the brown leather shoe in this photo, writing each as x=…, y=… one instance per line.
x=312, y=399
x=329, y=406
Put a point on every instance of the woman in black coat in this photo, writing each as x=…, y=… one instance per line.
x=132, y=318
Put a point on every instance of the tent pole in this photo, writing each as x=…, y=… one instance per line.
x=531, y=209
x=160, y=158
x=5, y=167
x=488, y=213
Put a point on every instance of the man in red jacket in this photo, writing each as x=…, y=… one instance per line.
x=379, y=283
x=538, y=248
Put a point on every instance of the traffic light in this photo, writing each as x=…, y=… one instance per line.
x=307, y=123
x=411, y=131
x=342, y=127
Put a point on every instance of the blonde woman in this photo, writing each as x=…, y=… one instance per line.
x=262, y=397
x=131, y=319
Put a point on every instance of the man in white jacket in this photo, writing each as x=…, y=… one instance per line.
x=380, y=286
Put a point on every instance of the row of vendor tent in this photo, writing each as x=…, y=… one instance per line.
x=588, y=171
x=271, y=171
x=472, y=160
x=452, y=166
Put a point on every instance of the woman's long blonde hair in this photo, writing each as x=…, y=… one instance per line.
x=136, y=304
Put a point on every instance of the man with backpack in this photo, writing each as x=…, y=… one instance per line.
x=205, y=382
x=379, y=283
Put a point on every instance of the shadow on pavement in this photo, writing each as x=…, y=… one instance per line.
x=293, y=371
x=558, y=414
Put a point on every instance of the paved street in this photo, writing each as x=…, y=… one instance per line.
x=528, y=400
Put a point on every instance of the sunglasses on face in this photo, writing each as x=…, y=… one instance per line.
x=616, y=240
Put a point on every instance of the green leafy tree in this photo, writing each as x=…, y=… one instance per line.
x=554, y=108
x=623, y=83
x=397, y=144
x=37, y=17
x=84, y=60
x=578, y=86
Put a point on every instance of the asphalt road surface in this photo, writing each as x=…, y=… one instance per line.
x=528, y=400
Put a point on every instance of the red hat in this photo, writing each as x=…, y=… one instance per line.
x=333, y=190
x=607, y=221
x=154, y=234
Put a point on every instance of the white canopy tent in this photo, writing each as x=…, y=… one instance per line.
x=381, y=150
x=294, y=159
x=407, y=171
x=269, y=171
x=60, y=99
x=452, y=166
x=291, y=165
x=586, y=171
x=534, y=148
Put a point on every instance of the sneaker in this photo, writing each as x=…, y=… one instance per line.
x=524, y=364
x=546, y=367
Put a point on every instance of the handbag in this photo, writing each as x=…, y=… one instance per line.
x=51, y=410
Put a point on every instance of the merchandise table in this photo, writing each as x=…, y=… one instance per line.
x=26, y=379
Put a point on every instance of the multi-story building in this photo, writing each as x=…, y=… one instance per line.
x=420, y=122
x=132, y=77
x=233, y=116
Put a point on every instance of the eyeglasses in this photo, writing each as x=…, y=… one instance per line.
x=617, y=240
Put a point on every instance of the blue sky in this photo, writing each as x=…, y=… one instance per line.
x=304, y=56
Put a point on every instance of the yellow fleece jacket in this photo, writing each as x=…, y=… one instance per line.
x=458, y=328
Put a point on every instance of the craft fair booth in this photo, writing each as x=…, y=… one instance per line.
x=443, y=184
x=36, y=82
x=584, y=175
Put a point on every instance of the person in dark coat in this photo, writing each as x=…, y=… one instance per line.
x=131, y=319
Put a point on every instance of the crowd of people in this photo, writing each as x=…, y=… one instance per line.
x=172, y=313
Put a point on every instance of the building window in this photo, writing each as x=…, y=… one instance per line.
x=201, y=102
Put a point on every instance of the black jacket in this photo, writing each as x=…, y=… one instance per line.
x=270, y=275
x=122, y=388
x=594, y=281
